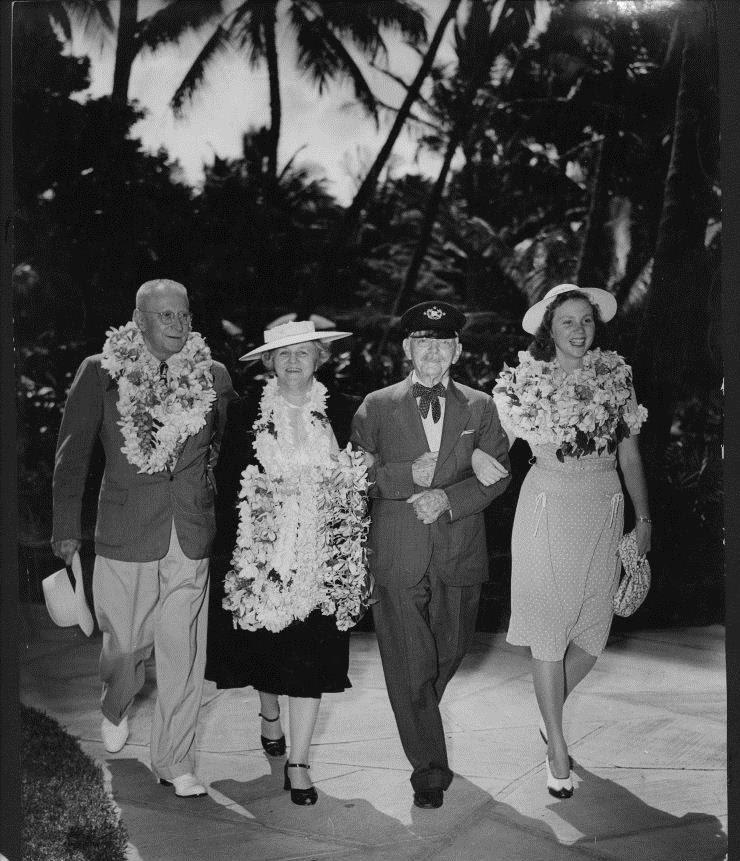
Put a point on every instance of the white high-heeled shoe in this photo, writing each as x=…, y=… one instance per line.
x=557, y=786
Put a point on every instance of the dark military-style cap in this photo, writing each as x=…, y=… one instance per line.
x=433, y=320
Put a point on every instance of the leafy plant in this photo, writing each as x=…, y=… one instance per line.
x=66, y=810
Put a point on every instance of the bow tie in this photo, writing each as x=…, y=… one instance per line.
x=163, y=369
x=429, y=396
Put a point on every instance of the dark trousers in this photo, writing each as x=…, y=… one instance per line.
x=423, y=633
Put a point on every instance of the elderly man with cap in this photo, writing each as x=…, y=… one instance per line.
x=427, y=539
x=157, y=401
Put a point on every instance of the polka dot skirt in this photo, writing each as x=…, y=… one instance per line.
x=565, y=567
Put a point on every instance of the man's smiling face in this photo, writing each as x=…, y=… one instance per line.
x=164, y=339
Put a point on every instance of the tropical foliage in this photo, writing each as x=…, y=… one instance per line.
x=574, y=143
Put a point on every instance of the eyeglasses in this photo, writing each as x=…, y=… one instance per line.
x=167, y=318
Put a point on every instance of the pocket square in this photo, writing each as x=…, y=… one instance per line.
x=472, y=430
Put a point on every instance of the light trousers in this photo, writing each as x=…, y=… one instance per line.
x=161, y=604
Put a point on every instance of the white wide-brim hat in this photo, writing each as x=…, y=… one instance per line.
x=604, y=301
x=292, y=333
x=67, y=605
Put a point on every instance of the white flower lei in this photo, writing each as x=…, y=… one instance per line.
x=157, y=417
x=302, y=524
x=582, y=412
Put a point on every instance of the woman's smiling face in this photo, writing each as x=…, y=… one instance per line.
x=573, y=330
x=295, y=365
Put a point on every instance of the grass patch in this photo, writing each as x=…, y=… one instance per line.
x=67, y=814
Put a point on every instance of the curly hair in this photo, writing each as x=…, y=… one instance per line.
x=322, y=355
x=542, y=347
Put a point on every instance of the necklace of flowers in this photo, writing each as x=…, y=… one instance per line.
x=274, y=443
x=302, y=525
x=583, y=411
x=158, y=415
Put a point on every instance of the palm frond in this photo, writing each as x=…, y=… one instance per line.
x=218, y=43
x=247, y=28
x=360, y=21
x=93, y=16
x=289, y=164
x=323, y=56
x=401, y=16
x=170, y=23
x=58, y=15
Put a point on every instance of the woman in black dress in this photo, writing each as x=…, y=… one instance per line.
x=295, y=427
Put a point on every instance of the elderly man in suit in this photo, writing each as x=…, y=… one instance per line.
x=158, y=403
x=427, y=540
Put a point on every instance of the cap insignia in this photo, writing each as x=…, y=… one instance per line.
x=434, y=313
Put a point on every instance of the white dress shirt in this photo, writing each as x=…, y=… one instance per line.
x=432, y=429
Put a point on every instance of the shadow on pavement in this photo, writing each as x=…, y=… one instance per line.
x=602, y=811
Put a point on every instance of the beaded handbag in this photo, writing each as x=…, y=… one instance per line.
x=635, y=582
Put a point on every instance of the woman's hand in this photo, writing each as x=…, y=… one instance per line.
x=486, y=468
x=643, y=534
x=342, y=458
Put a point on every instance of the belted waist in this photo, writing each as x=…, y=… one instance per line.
x=574, y=464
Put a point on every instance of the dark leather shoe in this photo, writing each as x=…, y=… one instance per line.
x=272, y=746
x=428, y=798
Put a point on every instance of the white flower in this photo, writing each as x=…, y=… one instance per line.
x=156, y=417
x=582, y=412
x=302, y=524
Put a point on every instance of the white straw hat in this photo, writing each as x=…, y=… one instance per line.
x=604, y=300
x=67, y=606
x=292, y=333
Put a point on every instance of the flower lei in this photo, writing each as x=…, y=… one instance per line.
x=157, y=417
x=302, y=524
x=582, y=412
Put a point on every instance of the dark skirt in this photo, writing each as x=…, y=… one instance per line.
x=306, y=659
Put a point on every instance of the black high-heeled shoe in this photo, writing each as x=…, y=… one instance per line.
x=272, y=746
x=299, y=796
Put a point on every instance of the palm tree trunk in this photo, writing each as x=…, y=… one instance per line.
x=672, y=357
x=430, y=216
x=594, y=250
x=462, y=124
x=274, y=79
x=425, y=234
x=367, y=188
x=126, y=49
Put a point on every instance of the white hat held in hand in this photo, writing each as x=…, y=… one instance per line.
x=66, y=605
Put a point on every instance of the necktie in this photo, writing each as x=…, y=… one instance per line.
x=429, y=396
x=163, y=369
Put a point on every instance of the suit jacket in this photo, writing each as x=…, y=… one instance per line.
x=401, y=547
x=135, y=510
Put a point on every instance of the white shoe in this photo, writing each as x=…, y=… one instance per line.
x=186, y=786
x=557, y=786
x=114, y=737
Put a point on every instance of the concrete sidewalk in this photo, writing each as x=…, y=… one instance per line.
x=646, y=730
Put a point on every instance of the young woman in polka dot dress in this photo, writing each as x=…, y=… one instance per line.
x=570, y=513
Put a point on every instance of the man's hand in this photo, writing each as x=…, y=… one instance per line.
x=486, y=468
x=422, y=469
x=429, y=504
x=66, y=549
